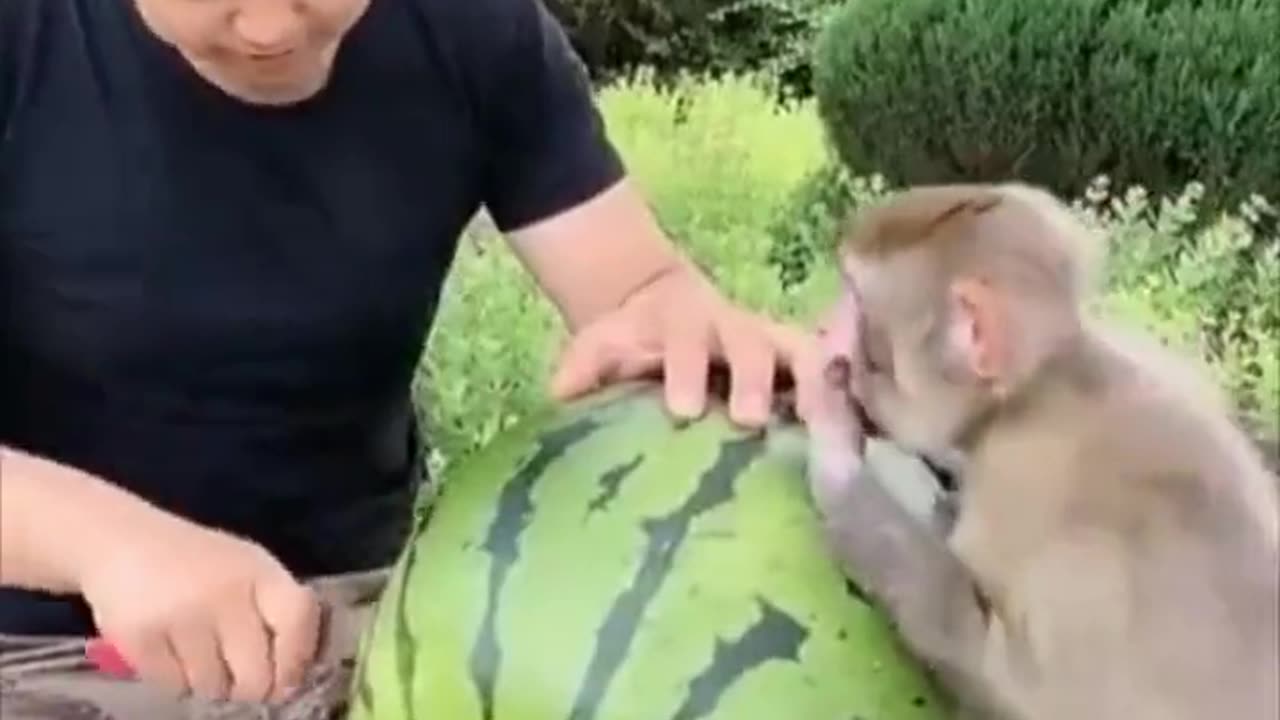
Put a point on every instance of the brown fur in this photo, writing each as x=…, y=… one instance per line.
x=1123, y=531
x=1012, y=234
x=922, y=217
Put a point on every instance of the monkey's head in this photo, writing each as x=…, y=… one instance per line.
x=955, y=296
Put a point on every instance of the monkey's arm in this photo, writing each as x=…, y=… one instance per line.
x=898, y=561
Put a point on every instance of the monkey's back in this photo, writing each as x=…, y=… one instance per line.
x=1151, y=474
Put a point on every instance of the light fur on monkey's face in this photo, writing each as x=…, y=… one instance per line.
x=962, y=291
x=911, y=384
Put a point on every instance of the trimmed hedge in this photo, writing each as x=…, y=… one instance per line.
x=1156, y=93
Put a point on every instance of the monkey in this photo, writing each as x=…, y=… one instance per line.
x=1114, y=552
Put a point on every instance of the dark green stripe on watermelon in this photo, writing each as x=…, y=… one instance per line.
x=665, y=536
x=775, y=636
x=611, y=482
x=503, y=547
x=633, y=506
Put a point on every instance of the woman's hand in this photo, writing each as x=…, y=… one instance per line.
x=678, y=326
x=197, y=610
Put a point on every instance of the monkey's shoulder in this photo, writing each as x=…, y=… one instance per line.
x=1153, y=459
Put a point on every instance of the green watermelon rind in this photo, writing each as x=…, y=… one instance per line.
x=876, y=678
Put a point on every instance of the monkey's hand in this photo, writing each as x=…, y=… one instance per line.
x=837, y=439
x=876, y=541
x=898, y=562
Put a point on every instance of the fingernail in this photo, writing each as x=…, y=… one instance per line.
x=750, y=412
x=684, y=407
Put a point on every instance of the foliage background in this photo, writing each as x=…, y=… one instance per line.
x=751, y=190
x=1157, y=93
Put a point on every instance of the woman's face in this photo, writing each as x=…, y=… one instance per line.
x=270, y=52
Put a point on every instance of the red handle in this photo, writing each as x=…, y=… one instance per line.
x=107, y=658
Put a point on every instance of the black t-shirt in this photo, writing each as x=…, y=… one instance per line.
x=220, y=306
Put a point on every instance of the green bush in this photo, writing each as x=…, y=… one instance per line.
x=490, y=354
x=698, y=37
x=716, y=159
x=1057, y=92
x=727, y=172
x=1205, y=283
x=806, y=227
x=1191, y=93
x=807, y=221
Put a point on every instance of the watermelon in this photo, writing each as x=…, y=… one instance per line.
x=606, y=563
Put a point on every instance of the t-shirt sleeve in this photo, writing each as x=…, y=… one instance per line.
x=546, y=145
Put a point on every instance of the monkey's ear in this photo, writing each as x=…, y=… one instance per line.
x=979, y=330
